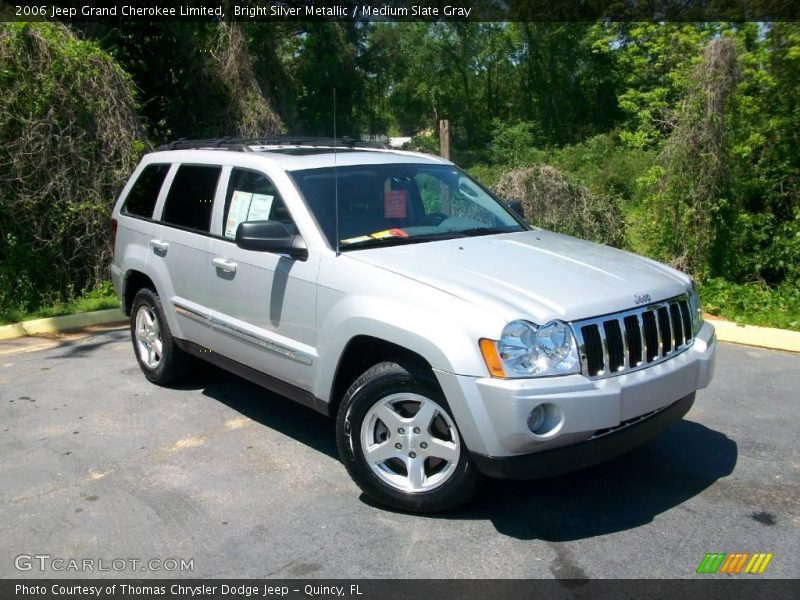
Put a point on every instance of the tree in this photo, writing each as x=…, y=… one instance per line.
x=69, y=138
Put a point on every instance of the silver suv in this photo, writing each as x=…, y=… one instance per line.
x=390, y=290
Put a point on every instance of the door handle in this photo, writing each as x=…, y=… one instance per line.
x=160, y=247
x=223, y=264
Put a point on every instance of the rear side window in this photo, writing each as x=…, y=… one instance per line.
x=142, y=198
x=191, y=197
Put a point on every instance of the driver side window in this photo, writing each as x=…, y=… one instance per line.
x=252, y=196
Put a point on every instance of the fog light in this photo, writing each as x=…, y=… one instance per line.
x=545, y=421
x=536, y=419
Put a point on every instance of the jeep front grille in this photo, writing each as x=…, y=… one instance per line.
x=633, y=339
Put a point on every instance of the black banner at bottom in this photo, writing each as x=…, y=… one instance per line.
x=386, y=589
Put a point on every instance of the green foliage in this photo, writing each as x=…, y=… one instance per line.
x=695, y=184
x=195, y=79
x=69, y=138
x=514, y=144
x=99, y=298
x=752, y=303
x=655, y=61
x=425, y=142
x=488, y=175
x=605, y=165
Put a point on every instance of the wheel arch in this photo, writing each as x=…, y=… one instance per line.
x=362, y=352
x=134, y=281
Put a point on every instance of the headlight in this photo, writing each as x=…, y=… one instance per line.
x=694, y=308
x=528, y=350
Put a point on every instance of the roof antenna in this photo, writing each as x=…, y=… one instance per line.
x=335, y=177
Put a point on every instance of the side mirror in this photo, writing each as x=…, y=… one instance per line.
x=517, y=207
x=270, y=236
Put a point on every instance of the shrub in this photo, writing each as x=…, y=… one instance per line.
x=69, y=137
x=552, y=202
x=514, y=144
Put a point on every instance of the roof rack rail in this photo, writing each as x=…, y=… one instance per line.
x=244, y=144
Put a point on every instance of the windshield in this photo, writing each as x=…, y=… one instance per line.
x=393, y=204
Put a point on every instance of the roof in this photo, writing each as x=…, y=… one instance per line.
x=299, y=157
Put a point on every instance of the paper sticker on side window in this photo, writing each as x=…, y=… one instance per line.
x=247, y=207
x=394, y=204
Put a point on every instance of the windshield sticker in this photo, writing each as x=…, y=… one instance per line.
x=394, y=204
x=378, y=235
x=387, y=233
x=355, y=240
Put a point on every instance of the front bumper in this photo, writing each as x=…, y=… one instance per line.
x=492, y=414
x=585, y=454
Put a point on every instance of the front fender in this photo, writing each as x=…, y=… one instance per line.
x=439, y=335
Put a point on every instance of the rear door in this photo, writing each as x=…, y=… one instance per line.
x=179, y=250
x=262, y=305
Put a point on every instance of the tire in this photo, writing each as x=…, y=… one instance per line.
x=159, y=357
x=398, y=440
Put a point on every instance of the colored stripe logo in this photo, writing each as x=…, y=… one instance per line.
x=734, y=563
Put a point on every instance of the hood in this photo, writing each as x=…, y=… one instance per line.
x=536, y=275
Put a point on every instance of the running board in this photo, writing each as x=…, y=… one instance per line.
x=268, y=382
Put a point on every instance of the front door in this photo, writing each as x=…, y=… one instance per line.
x=262, y=305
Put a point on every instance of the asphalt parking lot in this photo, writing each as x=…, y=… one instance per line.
x=97, y=463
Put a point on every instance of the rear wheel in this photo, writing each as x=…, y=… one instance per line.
x=399, y=442
x=159, y=357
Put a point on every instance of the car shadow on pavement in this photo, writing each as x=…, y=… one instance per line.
x=84, y=347
x=618, y=495
x=264, y=407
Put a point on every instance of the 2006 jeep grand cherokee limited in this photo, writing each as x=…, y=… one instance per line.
x=449, y=338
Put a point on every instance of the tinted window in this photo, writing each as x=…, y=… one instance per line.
x=191, y=197
x=143, y=195
x=252, y=197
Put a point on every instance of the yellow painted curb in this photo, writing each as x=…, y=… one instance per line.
x=750, y=335
x=59, y=324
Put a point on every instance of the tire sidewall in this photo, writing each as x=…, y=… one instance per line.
x=149, y=298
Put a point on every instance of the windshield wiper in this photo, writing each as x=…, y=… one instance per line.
x=488, y=230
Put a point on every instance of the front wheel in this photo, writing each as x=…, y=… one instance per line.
x=399, y=442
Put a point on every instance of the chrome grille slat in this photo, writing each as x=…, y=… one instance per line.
x=677, y=324
x=643, y=357
x=662, y=334
x=626, y=358
x=660, y=352
x=604, y=342
x=665, y=325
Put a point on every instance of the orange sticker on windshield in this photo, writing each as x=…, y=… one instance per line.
x=386, y=233
x=394, y=204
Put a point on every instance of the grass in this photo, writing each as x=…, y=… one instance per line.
x=752, y=303
x=100, y=298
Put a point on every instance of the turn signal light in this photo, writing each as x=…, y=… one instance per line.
x=491, y=358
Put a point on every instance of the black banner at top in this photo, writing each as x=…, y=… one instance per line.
x=395, y=10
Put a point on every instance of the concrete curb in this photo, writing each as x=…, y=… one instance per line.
x=61, y=324
x=763, y=337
